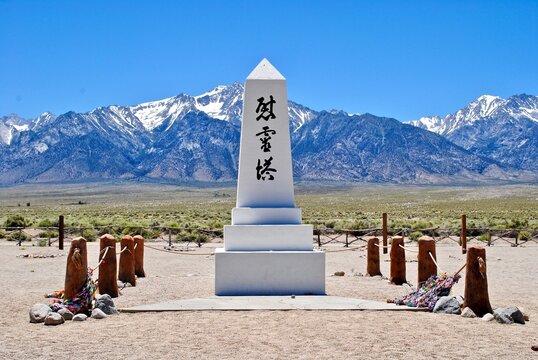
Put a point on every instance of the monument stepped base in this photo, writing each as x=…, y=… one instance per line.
x=269, y=272
x=268, y=237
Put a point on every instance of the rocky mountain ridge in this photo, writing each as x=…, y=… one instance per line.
x=196, y=138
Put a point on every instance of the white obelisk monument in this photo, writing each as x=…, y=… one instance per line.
x=267, y=250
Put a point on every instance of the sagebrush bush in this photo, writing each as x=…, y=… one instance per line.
x=524, y=236
x=18, y=236
x=47, y=234
x=48, y=223
x=484, y=237
x=15, y=221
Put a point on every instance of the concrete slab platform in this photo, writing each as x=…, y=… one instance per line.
x=241, y=303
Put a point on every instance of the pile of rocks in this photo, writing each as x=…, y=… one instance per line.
x=507, y=315
x=41, y=313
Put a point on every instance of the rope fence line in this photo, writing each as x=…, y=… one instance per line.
x=435, y=262
x=322, y=236
x=177, y=252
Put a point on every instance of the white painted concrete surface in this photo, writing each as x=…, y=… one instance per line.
x=268, y=237
x=268, y=216
x=311, y=302
x=265, y=82
x=266, y=249
x=269, y=272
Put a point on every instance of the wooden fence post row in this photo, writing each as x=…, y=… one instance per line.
x=446, y=233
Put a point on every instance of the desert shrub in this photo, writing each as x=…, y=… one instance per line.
x=419, y=225
x=330, y=224
x=146, y=233
x=48, y=223
x=15, y=221
x=214, y=224
x=18, y=236
x=192, y=236
x=524, y=236
x=90, y=235
x=484, y=237
x=518, y=224
x=415, y=235
x=47, y=234
x=2, y=234
x=42, y=242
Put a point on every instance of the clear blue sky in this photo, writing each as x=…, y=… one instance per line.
x=402, y=59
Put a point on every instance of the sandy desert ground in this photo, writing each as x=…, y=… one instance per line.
x=299, y=334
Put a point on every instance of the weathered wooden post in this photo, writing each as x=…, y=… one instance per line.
x=372, y=261
x=385, y=234
x=61, y=232
x=319, y=237
x=426, y=265
x=127, y=261
x=108, y=280
x=76, y=272
x=476, y=295
x=397, y=261
x=463, y=234
x=170, y=237
x=139, y=256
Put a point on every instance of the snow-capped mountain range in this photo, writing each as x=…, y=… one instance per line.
x=196, y=138
x=505, y=130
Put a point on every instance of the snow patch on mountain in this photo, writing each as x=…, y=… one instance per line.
x=430, y=123
x=486, y=106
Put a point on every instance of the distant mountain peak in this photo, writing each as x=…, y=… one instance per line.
x=505, y=130
x=486, y=106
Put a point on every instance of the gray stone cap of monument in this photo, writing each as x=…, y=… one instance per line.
x=265, y=71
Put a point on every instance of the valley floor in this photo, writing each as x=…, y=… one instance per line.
x=266, y=334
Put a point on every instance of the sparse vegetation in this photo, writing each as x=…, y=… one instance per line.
x=48, y=223
x=524, y=236
x=47, y=234
x=485, y=237
x=15, y=221
x=131, y=206
x=18, y=236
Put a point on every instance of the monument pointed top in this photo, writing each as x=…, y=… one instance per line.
x=265, y=71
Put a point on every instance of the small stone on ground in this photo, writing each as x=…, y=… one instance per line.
x=509, y=315
x=468, y=313
x=488, y=317
x=80, y=317
x=66, y=314
x=38, y=313
x=447, y=305
x=98, y=314
x=54, y=319
x=106, y=304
